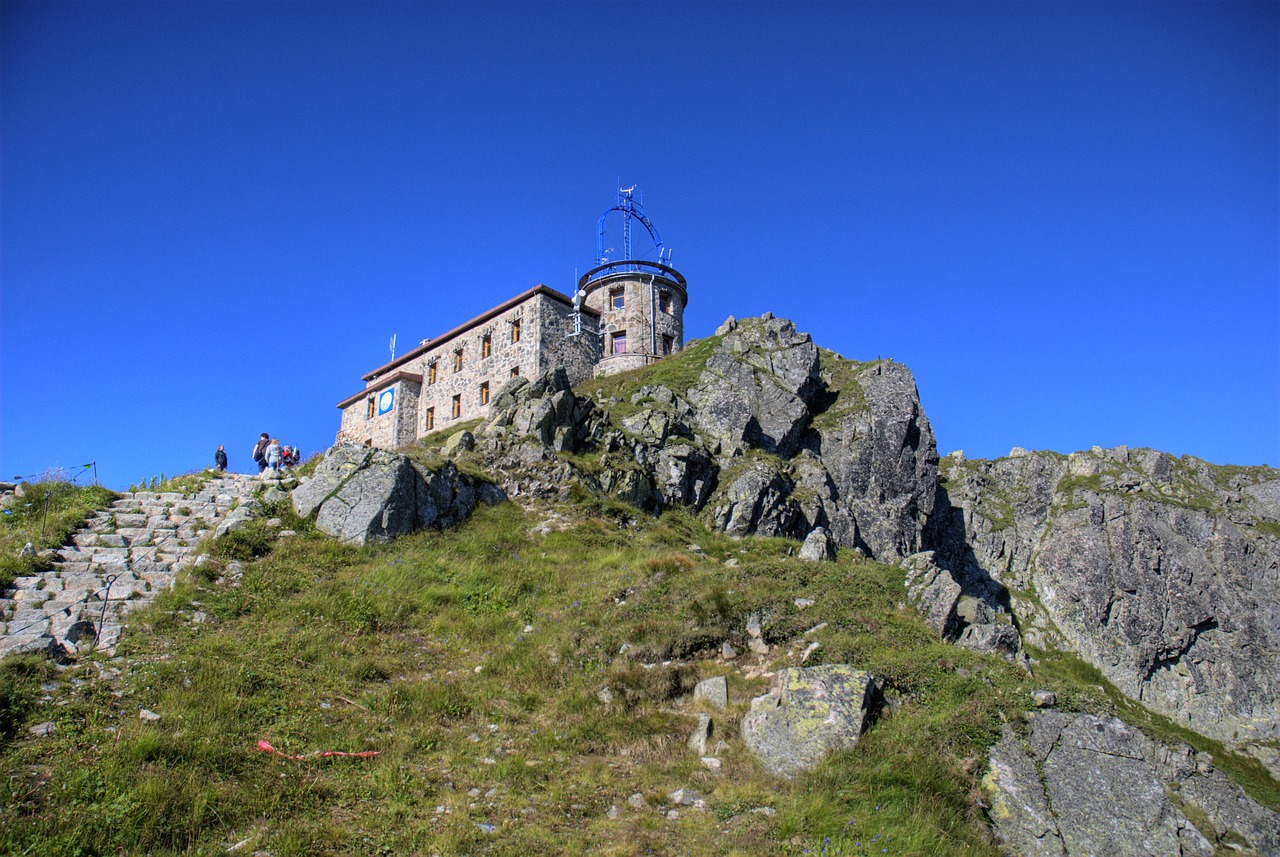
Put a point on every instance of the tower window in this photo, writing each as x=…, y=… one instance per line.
x=457, y=360
x=431, y=372
x=664, y=302
x=431, y=418
x=457, y=406
x=668, y=343
x=515, y=330
x=618, y=298
x=484, y=393
x=486, y=345
x=372, y=410
x=515, y=371
x=619, y=342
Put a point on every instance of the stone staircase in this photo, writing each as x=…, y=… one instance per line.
x=119, y=560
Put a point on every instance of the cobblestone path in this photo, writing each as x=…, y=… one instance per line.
x=119, y=560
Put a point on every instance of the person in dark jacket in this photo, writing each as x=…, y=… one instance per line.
x=260, y=451
x=220, y=458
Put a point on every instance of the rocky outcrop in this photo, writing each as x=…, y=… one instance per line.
x=1163, y=573
x=881, y=455
x=363, y=495
x=756, y=388
x=1084, y=785
x=962, y=619
x=807, y=714
x=774, y=437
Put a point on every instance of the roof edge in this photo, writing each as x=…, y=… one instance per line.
x=539, y=289
x=382, y=383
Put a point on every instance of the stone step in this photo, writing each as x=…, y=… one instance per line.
x=139, y=544
x=10, y=643
x=143, y=554
x=31, y=597
x=80, y=579
x=27, y=616
x=61, y=569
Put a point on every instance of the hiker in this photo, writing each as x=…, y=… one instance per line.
x=260, y=451
x=220, y=458
x=273, y=454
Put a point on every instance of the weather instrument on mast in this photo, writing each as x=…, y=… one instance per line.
x=610, y=234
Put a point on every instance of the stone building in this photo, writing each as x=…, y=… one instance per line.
x=625, y=315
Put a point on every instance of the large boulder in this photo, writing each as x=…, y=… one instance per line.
x=966, y=620
x=755, y=389
x=880, y=451
x=363, y=495
x=758, y=500
x=807, y=714
x=1076, y=784
x=933, y=592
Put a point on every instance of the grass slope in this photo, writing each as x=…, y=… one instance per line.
x=471, y=661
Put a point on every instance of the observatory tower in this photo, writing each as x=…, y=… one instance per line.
x=639, y=297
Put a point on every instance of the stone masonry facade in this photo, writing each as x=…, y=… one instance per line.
x=452, y=378
x=628, y=318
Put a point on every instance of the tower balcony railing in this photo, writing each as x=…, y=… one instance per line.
x=633, y=266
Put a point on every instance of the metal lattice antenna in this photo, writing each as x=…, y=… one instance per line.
x=629, y=208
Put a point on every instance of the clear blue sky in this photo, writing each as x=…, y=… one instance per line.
x=1062, y=216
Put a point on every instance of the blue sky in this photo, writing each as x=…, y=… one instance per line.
x=1062, y=216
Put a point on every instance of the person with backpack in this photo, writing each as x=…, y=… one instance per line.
x=220, y=458
x=260, y=451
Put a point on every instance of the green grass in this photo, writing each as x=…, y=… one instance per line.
x=1270, y=528
x=45, y=517
x=678, y=372
x=187, y=483
x=437, y=439
x=843, y=394
x=470, y=660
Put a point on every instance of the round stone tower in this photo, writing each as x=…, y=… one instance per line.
x=641, y=303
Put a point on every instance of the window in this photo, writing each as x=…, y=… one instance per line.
x=664, y=302
x=617, y=298
x=668, y=343
x=515, y=371
x=486, y=345
x=457, y=406
x=484, y=393
x=431, y=372
x=457, y=360
x=431, y=418
x=619, y=342
x=372, y=406
x=515, y=330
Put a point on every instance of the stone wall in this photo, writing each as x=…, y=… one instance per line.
x=456, y=367
x=576, y=354
x=651, y=318
x=385, y=431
